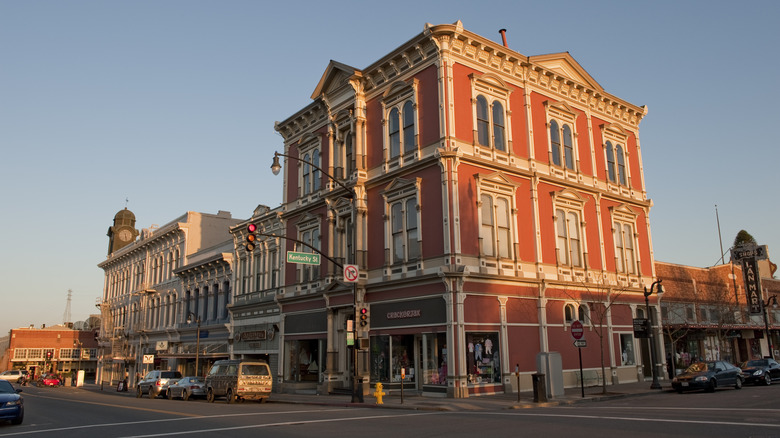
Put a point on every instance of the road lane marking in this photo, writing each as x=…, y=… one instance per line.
x=164, y=420
x=284, y=423
x=653, y=420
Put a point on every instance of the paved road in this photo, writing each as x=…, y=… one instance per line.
x=70, y=412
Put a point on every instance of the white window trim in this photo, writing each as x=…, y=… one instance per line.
x=309, y=223
x=576, y=315
x=623, y=215
x=497, y=185
x=493, y=88
x=615, y=134
x=401, y=190
x=395, y=98
x=564, y=114
x=570, y=201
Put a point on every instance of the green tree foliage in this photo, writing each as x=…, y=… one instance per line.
x=744, y=238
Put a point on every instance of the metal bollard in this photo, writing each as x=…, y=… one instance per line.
x=378, y=393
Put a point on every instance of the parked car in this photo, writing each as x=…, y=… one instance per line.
x=11, y=403
x=239, y=380
x=12, y=375
x=760, y=371
x=708, y=376
x=187, y=387
x=49, y=380
x=156, y=383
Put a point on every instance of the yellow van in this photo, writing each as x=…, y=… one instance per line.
x=239, y=380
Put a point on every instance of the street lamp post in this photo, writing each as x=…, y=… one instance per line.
x=357, y=390
x=773, y=301
x=658, y=291
x=197, y=339
x=77, y=344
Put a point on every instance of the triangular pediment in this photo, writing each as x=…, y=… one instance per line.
x=565, y=65
x=336, y=76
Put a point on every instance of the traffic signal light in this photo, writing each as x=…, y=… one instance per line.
x=251, y=237
x=48, y=355
x=363, y=316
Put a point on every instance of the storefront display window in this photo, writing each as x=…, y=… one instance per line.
x=303, y=360
x=482, y=357
x=390, y=354
x=433, y=349
x=627, y=349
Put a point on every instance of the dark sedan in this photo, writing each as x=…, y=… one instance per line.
x=187, y=387
x=708, y=376
x=760, y=371
x=11, y=403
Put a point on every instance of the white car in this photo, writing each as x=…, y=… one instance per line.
x=12, y=375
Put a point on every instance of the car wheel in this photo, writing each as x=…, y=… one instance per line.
x=152, y=394
x=767, y=380
x=170, y=395
x=185, y=395
x=19, y=419
x=229, y=396
x=711, y=387
x=738, y=385
x=210, y=396
x=138, y=392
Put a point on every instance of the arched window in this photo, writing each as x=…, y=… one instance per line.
x=568, y=147
x=409, y=135
x=394, y=129
x=621, y=164
x=483, y=123
x=306, y=175
x=499, y=140
x=555, y=143
x=610, y=162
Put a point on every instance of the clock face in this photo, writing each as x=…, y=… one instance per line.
x=125, y=235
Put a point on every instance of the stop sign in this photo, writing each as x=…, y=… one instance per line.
x=577, y=330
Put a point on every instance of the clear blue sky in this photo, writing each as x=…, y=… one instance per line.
x=171, y=104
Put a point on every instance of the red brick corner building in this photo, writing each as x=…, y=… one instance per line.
x=498, y=197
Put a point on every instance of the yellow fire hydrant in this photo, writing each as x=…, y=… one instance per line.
x=378, y=393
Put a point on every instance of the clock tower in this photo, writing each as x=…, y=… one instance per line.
x=123, y=232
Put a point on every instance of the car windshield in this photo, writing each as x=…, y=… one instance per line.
x=757, y=363
x=254, y=370
x=698, y=367
x=196, y=379
x=6, y=388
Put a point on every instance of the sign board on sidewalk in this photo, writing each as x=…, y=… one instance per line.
x=579, y=343
x=148, y=358
x=641, y=328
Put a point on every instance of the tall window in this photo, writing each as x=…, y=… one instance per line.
x=310, y=237
x=624, y=247
x=401, y=136
x=404, y=230
x=490, y=115
x=568, y=244
x=561, y=145
x=495, y=232
x=310, y=176
x=616, y=163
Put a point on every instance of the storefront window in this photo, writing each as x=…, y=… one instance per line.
x=627, y=349
x=434, y=359
x=391, y=354
x=303, y=360
x=482, y=357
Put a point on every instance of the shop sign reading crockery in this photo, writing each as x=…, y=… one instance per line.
x=404, y=314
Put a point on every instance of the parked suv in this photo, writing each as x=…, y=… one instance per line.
x=156, y=383
x=239, y=380
x=13, y=375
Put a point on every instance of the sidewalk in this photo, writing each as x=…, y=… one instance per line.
x=413, y=401
x=484, y=402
